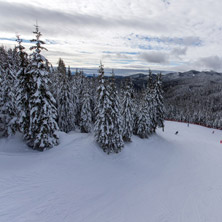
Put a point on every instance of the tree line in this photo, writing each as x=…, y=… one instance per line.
x=37, y=100
x=200, y=105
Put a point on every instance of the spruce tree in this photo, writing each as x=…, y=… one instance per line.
x=66, y=108
x=1, y=98
x=136, y=107
x=159, y=106
x=150, y=100
x=69, y=73
x=150, y=104
x=116, y=115
x=127, y=112
x=3, y=66
x=8, y=98
x=86, y=112
x=78, y=86
x=93, y=98
x=61, y=67
x=108, y=132
x=3, y=57
x=23, y=90
x=143, y=121
x=57, y=77
x=42, y=108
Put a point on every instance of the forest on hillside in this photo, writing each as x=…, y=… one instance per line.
x=37, y=100
x=195, y=98
x=192, y=97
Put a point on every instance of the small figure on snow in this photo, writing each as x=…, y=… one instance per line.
x=213, y=132
x=176, y=132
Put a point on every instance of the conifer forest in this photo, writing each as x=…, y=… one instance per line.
x=37, y=100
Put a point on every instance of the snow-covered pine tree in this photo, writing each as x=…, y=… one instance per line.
x=65, y=104
x=160, y=110
x=143, y=122
x=3, y=55
x=69, y=73
x=93, y=97
x=116, y=115
x=78, y=86
x=56, y=79
x=108, y=132
x=13, y=60
x=136, y=110
x=1, y=98
x=61, y=67
x=43, y=112
x=137, y=104
x=150, y=83
x=9, y=108
x=150, y=100
x=150, y=104
x=86, y=112
x=23, y=88
x=101, y=127
x=127, y=112
x=65, y=95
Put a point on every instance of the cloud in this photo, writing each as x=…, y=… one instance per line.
x=192, y=41
x=184, y=41
x=179, y=51
x=54, y=22
x=155, y=57
x=211, y=62
x=165, y=33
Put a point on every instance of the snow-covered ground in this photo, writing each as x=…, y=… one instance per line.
x=166, y=178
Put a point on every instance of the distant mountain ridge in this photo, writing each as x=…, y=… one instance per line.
x=180, y=75
x=118, y=72
x=191, y=77
x=191, y=96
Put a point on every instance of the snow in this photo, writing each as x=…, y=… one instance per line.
x=166, y=178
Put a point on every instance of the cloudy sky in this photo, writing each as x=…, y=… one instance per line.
x=175, y=35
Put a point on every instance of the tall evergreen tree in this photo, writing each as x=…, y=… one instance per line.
x=69, y=73
x=3, y=60
x=93, y=97
x=61, y=67
x=78, y=87
x=57, y=78
x=23, y=90
x=8, y=108
x=3, y=57
x=150, y=83
x=160, y=111
x=143, y=121
x=138, y=98
x=116, y=115
x=1, y=96
x=127, y=112
x=43, y=112
x=150, y=100
x=108, y=133
x=151, y=110
x=86, y=112
x=66, y=106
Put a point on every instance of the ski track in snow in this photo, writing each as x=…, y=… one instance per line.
x=166, y=178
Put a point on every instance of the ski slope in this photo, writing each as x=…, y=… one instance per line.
x=166, y=178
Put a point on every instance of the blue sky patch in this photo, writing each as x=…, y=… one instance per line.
x=185, y=41
x=14, y=40
x=125, y=53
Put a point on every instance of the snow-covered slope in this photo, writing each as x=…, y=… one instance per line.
x=168, y=177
